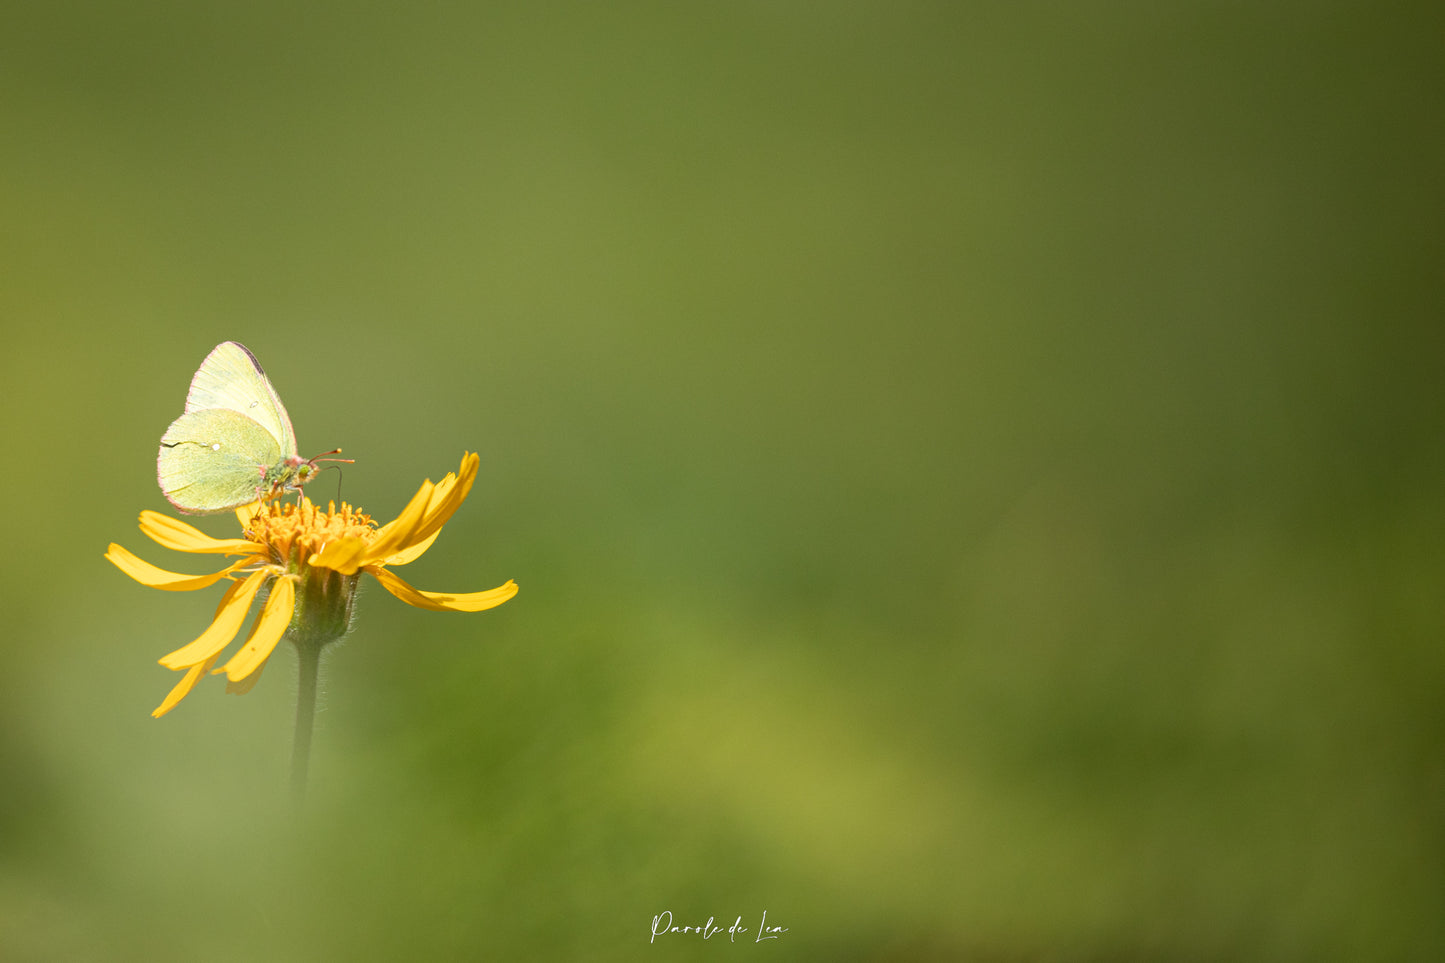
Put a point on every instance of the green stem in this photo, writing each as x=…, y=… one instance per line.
x=308, y=658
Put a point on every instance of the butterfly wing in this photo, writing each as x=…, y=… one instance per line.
x=233, y=433
x=215, y=459
x=232, y=378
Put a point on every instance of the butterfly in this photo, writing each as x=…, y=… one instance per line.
x=234, y=444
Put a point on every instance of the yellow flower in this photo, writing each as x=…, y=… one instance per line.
x=307, y=563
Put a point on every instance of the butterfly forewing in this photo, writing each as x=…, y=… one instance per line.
x=231, y=378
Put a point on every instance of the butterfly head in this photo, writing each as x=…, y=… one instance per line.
x=295, y=471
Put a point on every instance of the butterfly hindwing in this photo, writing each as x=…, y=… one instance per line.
x=214, y=460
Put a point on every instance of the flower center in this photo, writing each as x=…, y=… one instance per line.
x=293, y=533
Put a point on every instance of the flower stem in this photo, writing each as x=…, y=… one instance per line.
x=308, y=659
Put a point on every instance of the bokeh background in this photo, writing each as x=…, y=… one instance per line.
x=973, y=471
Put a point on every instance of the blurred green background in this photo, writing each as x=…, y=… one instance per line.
x=973, y=473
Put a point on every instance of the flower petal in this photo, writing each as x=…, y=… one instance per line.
x=245, y=513
x=442, y=601
x=183, y=688
x=265, y=634
x=448, y=497
x=147, y=574
x=345, y=555
x=396, y=534
x=413, y=553
x=246, y=684
x=404, y=540
x=175, y=534
x=229, y=616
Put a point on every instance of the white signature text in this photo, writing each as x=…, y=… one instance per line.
x=662, y=925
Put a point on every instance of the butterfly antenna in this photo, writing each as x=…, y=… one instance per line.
x=347, y=461
x=334, y=451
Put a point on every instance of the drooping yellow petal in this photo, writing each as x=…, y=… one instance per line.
x=246, y=684
x=175, y=534
x=147, y=574
x=229, y=616
x=443, y=601
x=183, y=687
x=413, y=553
x=267, y=632
x=345, y=555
